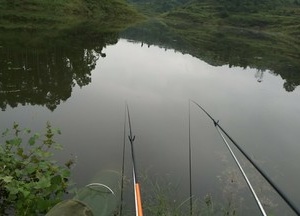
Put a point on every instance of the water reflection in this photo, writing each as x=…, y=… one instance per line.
x=42, y=70
x=226, y=46
x=157, y=84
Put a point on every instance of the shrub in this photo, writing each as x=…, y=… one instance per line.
x=30, y=182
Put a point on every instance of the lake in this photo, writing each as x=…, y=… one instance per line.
x=81, y=85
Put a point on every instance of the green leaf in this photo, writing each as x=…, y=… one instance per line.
x=12, y=189
x=65, y=173
x=42, y=154
x=24, y=192
x=12, y=196
x=28, y=131
x=56, y=180
x=1, y=150
x=42, y=204
x=32, y=140
x=30, y=168
x=58, y=131
x=44, y=182
x=28, y=175
x=46, y=154
x=20, y=152
x=14, y=142
x=57, y=146
x=19, y=173
x=5, y=132
x=7, y=179
x=43, y=165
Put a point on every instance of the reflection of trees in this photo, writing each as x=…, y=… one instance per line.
x=259, y=75
x=153, y=33
x=291, y=76
x=226, y=46
x=45, y=74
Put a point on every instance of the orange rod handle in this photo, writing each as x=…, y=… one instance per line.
x=139, y=199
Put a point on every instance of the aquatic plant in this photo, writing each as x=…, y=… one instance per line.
x=163, y=196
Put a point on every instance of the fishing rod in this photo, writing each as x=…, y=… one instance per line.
x=190, y=162
x=123, y=163
x=261, y=208
x=275, y=187
x=137, y=189
x=242, y=171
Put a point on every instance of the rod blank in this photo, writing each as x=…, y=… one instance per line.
x=137, y=190
x=244, y=175
x=271, y=182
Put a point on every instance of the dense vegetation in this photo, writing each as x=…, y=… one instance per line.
x=263, y=15
x=157, y=6
x=30, y=181
x=45, y=14
x=230, y=5
x=276, y=15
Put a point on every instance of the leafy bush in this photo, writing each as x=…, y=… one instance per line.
x=30, y=182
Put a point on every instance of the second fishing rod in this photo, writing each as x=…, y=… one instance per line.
x=137, y=188
x=291, y=204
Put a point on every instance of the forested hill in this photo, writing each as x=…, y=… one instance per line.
x=271, y=16
x=158, y=6
x=36, y=14
x=230, y=5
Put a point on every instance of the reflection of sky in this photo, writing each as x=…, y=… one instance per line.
x=157, y=84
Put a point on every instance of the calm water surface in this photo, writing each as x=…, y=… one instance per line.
x=157, y=84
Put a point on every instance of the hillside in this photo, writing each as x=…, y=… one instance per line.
x=231, y=5
x=275, y=17
x=151, y=7
x=259, y=34
x=45, y=14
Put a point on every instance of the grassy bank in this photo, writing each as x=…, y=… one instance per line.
x=49, y=14
x=284, y=20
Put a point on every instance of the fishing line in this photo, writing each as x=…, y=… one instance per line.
x=123, y=162
x=190, y=161
x=275, y=187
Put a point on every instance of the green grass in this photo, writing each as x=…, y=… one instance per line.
x=58, y=14
x=265, y=32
